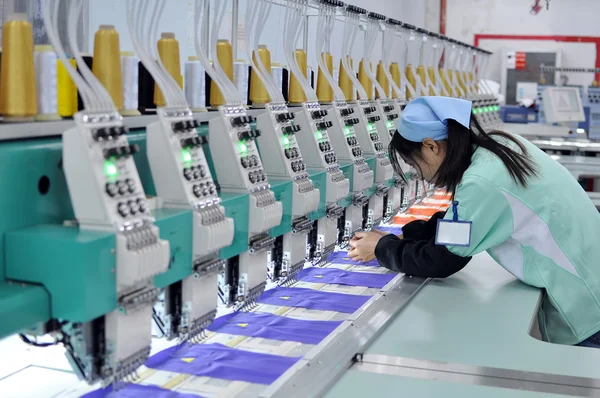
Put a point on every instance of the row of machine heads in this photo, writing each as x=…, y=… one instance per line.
x=372, y=15
x=239, y=202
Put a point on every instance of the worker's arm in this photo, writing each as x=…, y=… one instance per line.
x=422, y=230
x=480, y=203
x=418, y=258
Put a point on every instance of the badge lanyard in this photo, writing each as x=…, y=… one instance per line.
x=453, y=232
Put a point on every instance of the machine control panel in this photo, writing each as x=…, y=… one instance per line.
x=279, y=139
x=232, y=138
x=103, y=180
x=178, y=164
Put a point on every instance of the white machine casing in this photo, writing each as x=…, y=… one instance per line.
x=239, y=170
x=100, y=198
x=128, y=344
x=318, y=152
x=183, y=179
x=563, y=105
x=225, y=142
x=347, y=148
x=284, y=157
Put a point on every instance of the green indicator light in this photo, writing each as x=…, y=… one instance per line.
x=110, y=169
x=186, y=156
x=242, y=147
x=488, y=109
x=371, y=126
x=285, y=140
x=319, y=134
x=390, y=124
x=347, y=130
x=496, y=107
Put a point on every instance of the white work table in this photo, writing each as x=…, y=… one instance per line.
x=463, y=335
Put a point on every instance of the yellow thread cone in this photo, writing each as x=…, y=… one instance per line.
x=66, y=90
x=411, y=79
x=344, y=80
x=324, y=90
x=225, y=57
x=296, y=94
x=364, y=80
x=446, y=83
x=18, y=94
x=258, y=91
x=107, y=63
x=168, y=51
x=395, y=72
x=382, y=80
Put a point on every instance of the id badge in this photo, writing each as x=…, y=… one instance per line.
x=453, y=232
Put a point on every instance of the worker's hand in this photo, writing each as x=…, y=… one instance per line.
x=363, y=246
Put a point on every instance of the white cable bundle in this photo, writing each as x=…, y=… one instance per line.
x=277, y=73
x=292, y=27
x=130, y=74
x=240, y=79
x=390, y=44
x=142, y=21
x=214, y=70
x=351, y=28
x=413, y=51
x=449, y=66
x=195, y=90
x=439, y=51
x=256, y=19
x=46, y=84
x=427, y=55
x=402, y=36
x=324, y=30
x=370, y=37
x=482, y=72
x=93, y=94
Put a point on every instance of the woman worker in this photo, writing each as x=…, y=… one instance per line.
x=511, y=200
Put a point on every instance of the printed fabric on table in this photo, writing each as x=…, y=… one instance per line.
x=313, y=299
x=341, y=277
x=137, y=391
x=222, y=362
x=341, y=257
x=273, y=327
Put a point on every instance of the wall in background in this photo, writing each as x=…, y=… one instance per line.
x=465, y=18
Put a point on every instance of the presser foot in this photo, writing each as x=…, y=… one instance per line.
x=325, y=255
x=293, y=274
x=250, y=299
x=196, y=332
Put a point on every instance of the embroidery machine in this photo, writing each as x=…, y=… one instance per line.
x=122, y=232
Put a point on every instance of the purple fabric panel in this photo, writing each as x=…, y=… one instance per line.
x=313, y=299
x=341, y=277
x=341, y=257
x=273, y=327
x=391, y=229
x=222, y=362
x=137, y=391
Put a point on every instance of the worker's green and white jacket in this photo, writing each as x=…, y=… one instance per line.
x=546, y=235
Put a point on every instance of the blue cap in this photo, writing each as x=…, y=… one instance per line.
x=427, y=117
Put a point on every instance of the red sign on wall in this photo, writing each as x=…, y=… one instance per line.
x=521, y=60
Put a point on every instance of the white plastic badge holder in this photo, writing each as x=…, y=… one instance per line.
x=455, y=232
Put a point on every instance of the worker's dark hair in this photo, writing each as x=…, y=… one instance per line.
x=461, y=143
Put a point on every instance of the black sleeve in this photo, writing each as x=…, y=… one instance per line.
x=422, y=230
x=418, y=258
